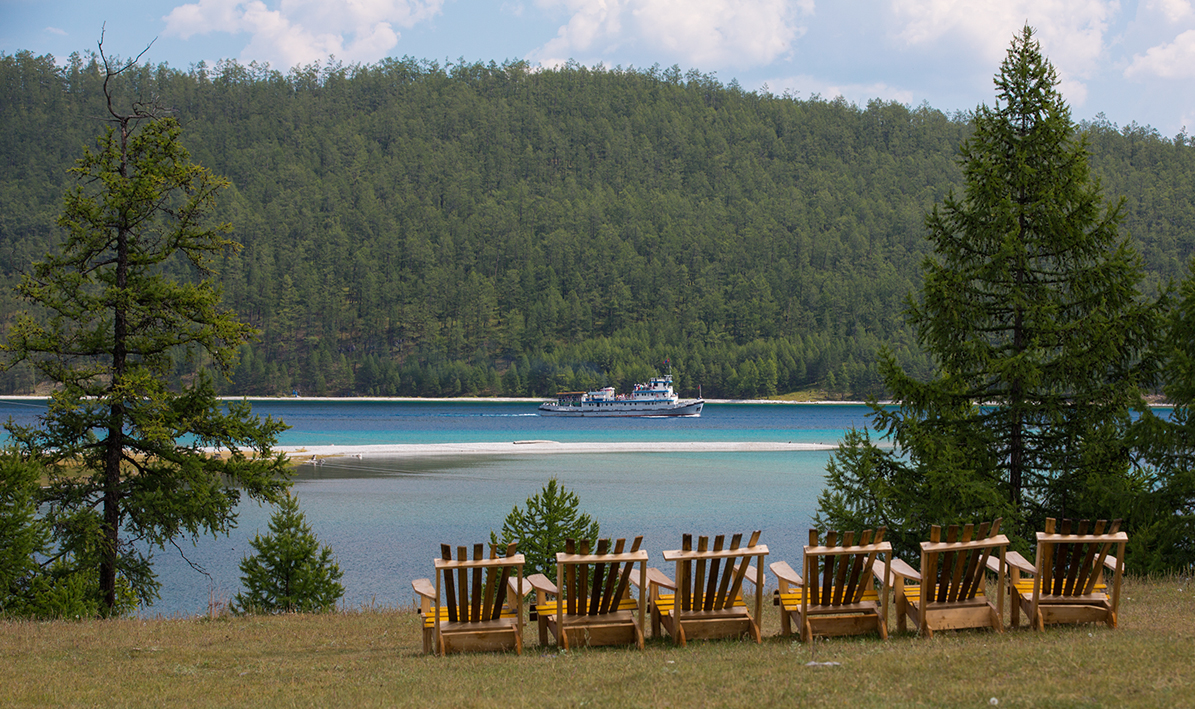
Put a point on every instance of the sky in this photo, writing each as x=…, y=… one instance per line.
x=1133, y=61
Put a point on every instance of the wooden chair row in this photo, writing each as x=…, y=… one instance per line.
x=838, y=596
x=948, y=592
x=591, y=602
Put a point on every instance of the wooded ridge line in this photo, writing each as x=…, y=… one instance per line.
x=416, y=229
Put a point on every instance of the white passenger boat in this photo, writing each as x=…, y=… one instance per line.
x=655, y=398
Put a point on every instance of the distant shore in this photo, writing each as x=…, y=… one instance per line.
x=459, y=399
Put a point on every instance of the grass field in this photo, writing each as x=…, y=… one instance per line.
x=372, y=658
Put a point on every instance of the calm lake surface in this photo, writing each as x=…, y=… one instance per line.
x=386, y=517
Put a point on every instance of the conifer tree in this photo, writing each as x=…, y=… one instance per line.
x=290, y=572
x=124, y=452
x=552, y=516
x=1032, y=311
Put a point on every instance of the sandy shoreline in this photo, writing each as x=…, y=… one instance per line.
x=400, y=450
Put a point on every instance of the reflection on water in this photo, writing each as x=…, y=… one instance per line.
x=386, y=517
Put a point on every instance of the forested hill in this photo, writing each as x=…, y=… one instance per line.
x=417, y=229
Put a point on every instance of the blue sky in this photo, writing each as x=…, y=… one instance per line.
x=1130, y=60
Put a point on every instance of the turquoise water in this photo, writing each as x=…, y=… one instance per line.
x=386, y=517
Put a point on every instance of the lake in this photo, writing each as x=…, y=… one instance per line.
x=385, y=517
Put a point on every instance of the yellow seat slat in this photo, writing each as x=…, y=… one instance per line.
x=428, y=620
x=549, y=608
x=666, y=603
x=1026, y=586
x=792, y=599
x=913, y=593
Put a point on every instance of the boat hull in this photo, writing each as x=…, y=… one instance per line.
x=620, y=408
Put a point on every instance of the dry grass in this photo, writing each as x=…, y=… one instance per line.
x=372, y=659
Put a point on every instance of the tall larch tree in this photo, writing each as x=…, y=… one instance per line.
x=1032, y=310
x=129, y=461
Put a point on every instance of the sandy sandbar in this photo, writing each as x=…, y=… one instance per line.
x=543, y=446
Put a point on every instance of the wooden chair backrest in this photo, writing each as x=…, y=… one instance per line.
x=717, y=589
x=957, y=575
x=598, y=592
x=834, y=578
x=1073, y=568
x=481, y=598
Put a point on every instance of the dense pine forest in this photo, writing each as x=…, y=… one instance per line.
x=411, y=228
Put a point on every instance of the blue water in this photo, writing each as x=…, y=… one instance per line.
x=386, y=517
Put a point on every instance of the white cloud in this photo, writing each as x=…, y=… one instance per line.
x=737, y=33
x=1072, y=32
x=806, y=86
x=1173, y=10
x=57, y=31
x=302, y=31
x=1169, y=61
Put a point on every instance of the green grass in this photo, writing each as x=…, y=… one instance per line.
x=372, y=658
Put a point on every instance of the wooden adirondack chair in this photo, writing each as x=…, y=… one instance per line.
x=840, y=598
x=950, y=592
x=1067, y=582
x=708, y=605
x=484, y=613
x=596, y=607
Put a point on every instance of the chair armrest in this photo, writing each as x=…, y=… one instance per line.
x=541, y=583
x=655, y=577
x=424, y=588
x=899, y=568
x=512, y=583
x=785, y=573
x=751, y=574
x=1110, y=562
x=1018, y=562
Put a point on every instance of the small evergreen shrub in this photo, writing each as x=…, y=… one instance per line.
x=551, y=517
x=290, y=572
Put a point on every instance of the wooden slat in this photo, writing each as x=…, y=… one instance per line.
x=727, y=575
x=946, y=565
x=498, y=592
x=840, y=573
x=570, y=578
x=583, y=579
x=1045, y=558
x=1104, y=552
x=742, y=570
x=703, y=544
x=487, y=602
x=856, y=561
x=475, y=610
x=828, y=569
x=599, y=578
x=815, y=560
x=1088, y=557
x=626, y=572
x=1061, y=559
x=711, y=586
x=986, y=531
x=462, y=587
x=961, y=560
x=684, y=584
x=449, y=586
x=1077, y=551
x=691, y=555
x=611, y=578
